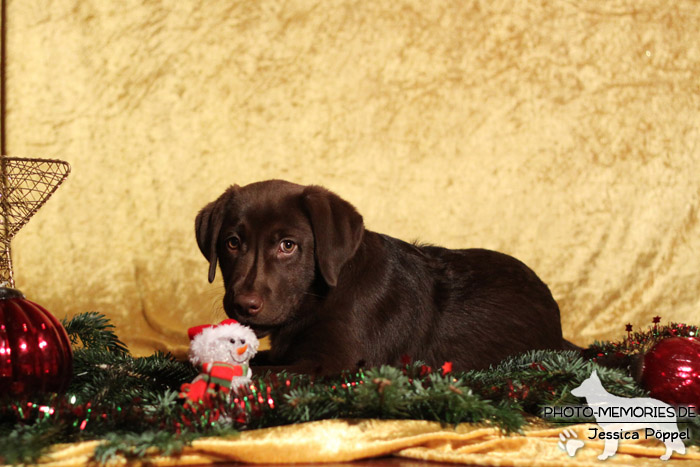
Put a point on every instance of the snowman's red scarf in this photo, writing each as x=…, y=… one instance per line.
x=215, y=377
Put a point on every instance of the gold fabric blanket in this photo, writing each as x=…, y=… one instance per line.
x=562, y=132
x=348, y=440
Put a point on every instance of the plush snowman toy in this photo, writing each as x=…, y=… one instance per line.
x=223, y=351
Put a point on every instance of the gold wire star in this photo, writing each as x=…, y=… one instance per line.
x=25, y=185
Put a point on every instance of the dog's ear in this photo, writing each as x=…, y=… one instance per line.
x=207, y=226
x=337, y=228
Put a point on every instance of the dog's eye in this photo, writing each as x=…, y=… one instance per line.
x=287, y=246
x=233, y=243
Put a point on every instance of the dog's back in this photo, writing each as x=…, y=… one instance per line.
x=470, y=307
x=495, y=303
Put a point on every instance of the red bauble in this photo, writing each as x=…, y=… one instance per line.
x=671, y=371
x=35, y=353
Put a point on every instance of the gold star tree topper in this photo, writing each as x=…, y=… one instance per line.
x=25, y=185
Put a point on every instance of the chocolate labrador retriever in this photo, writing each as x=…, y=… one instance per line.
x=299, y=266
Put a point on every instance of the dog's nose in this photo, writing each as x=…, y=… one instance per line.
x=250, y=303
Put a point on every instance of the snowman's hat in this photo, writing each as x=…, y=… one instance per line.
x=197, y=330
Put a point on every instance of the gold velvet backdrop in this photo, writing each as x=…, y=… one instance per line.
x=564, y=133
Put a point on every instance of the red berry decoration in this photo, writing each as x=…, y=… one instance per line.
x=35, y=353
x=671, y=371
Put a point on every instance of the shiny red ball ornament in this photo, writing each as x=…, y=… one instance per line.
x=35, y=352
x=671, y=371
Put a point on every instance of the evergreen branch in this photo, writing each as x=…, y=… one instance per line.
x=93, y=330
x=135, y=446
x=138, y=446
x=384, y=394
x=545, y=377
x=693, y=427
x=118, y=378
x=451, y=401
x=25, y=444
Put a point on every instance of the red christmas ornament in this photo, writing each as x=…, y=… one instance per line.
x=671, y=371
x=35, y=353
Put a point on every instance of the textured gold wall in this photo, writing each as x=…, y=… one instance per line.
x=564, y=133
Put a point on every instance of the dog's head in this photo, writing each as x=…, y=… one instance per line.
x=273, y=240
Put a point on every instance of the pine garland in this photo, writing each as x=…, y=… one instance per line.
x=639, y=342
x=385, y=393
x=132, y=403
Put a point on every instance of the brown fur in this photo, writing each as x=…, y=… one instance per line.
x=346, y=296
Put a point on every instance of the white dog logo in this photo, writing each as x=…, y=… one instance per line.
x=656, y=418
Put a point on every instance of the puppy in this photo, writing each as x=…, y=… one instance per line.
x=299, y=265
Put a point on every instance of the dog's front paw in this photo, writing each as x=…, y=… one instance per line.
x=569, y=442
